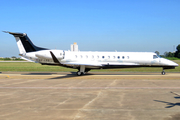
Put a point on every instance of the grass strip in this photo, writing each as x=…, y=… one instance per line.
x=35, y=67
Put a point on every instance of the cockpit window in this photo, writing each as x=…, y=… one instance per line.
x=159, y=56
x=155, y=56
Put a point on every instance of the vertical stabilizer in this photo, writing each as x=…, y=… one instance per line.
x=20, y=46
x=24, y=43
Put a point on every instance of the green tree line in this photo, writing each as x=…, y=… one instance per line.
x=12, y=58
x=175, y=54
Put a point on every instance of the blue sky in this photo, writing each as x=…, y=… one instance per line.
x=96, y=25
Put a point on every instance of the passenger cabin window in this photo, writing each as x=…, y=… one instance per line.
x=86, y=56
x=118, y=57
x=102, y=57
x=108, y=57
x=122, y=57
x=155, y=56
x=76, y=56
x=114, y=57
x=92, y=56
x=97, y=56
x=127, y=57
x=81, y=56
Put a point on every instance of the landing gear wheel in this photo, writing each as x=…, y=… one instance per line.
x=79, y=73
x=163, y=73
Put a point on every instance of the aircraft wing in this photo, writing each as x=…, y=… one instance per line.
x=117, y=63
x=82, y=63
x=100, y=64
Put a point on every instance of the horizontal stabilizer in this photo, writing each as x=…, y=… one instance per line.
x=16, y=34
x=27, y=59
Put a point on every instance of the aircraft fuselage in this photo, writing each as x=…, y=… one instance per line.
x=100, y=59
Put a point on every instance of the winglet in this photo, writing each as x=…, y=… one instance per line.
x=54, y=58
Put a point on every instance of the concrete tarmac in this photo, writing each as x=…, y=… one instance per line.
x=97, y=96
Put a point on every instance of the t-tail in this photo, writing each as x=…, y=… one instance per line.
x=24, y=43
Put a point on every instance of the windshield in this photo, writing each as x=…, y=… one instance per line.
x=159, y=56
x=156, y=56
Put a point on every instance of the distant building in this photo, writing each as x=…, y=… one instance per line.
x=74, y=47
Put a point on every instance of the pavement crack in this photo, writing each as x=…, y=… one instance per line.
x=62, y=102
x=92, y=100
x=130, y=115
x=21, y=82
x=25, y=101
x=81, y=82
x=121, y=100
x=87, y=104
x=9, y=114
x=110, y=84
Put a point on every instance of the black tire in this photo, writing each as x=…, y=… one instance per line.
x=79, y=73
x=163, y=73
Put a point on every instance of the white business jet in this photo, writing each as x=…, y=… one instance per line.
x=85, y=61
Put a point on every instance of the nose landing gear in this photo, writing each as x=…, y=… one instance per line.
x=163, y=72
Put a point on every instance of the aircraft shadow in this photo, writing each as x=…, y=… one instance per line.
x=73, y=74
x=38, y=73
x=177, y=97
x=122, y=73
x=170, y=105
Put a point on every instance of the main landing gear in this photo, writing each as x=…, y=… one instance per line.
x=80, y=73
x=82, y=70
